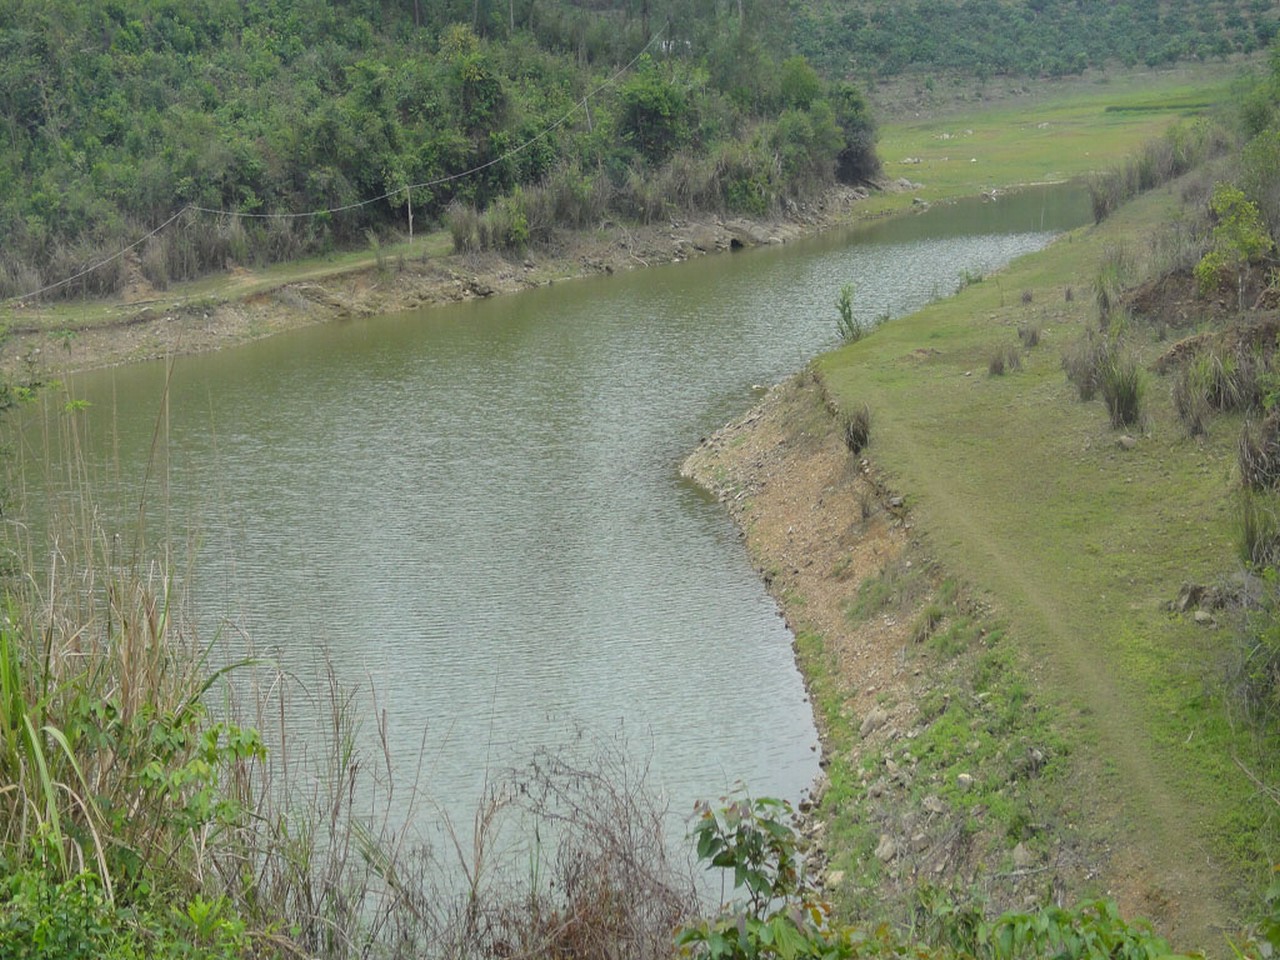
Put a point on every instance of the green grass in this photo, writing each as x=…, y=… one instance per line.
x=1079, y=543
x=1070, y=132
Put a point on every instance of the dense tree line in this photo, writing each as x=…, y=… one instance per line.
x=116, y=114
x=1026, y=37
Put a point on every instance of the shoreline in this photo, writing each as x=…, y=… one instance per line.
x=145, y=324
x=822, y=527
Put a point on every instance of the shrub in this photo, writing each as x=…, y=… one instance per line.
x=464, y=227
x=1239, y=238
x=1029, y=334
x=857, y=428
x=1121, y=382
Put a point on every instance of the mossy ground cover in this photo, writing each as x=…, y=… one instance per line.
x=1077, y=543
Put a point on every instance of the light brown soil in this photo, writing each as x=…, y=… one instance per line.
x=800, y=497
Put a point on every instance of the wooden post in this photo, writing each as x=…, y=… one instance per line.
x=408, y=196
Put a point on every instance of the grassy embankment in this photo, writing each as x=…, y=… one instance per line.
x=1071, y=543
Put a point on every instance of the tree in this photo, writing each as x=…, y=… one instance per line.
x=653, y=113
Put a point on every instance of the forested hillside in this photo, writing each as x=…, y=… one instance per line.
x=1026, y=37
x=119, y=114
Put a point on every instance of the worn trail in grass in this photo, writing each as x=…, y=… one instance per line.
x=1079, y=542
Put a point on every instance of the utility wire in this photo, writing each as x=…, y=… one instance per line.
x=101, y=263
x=193, y=208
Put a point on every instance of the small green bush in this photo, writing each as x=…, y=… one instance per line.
x=1240, y=238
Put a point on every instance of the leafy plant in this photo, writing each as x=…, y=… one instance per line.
x=1240, y=238
x=782, y=914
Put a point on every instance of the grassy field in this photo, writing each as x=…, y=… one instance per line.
x=1077, y=542
x=1054, y=134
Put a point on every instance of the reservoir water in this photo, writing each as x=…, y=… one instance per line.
x=474, y=513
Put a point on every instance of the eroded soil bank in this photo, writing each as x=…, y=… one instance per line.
x=146, y=324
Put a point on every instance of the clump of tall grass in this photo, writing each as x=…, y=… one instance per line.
x=1220, y=379
x=1005, y=359
x=856, y=428
x=1122, y=384
x=1029, y=333
x=1258, y=454
x=1082, y=361
x=1115, y=272
x=1258, y=528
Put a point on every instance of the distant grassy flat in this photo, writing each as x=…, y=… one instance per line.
x=1057, y=134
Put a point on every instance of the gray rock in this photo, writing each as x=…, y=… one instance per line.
x=873, y=721
x=1023, y=858
x=934, y=805
x=886, y=849
x=964, y=781
x=1126, y=442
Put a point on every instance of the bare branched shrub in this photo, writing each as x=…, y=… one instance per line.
x=611, y=887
